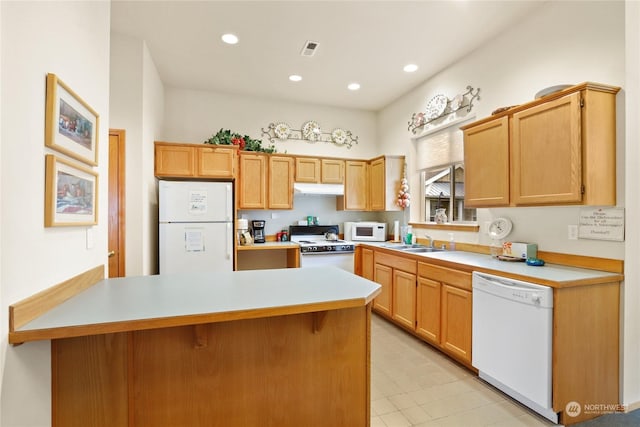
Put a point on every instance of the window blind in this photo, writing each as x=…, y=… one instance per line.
x=441, y=147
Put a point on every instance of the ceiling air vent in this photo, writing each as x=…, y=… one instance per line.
x=309, y=48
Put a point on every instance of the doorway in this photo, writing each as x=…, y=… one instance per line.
x=116, y=203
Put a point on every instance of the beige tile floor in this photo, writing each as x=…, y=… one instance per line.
x=414, y=385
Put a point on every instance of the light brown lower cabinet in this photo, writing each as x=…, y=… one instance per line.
x=397, y=276
x=383, y=275
x=428, y=313
x=444, y=303
x=404, y=298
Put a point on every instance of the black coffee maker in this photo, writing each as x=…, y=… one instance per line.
x=258, y=231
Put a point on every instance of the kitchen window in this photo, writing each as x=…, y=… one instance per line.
x=444, y=188
x=440, y=157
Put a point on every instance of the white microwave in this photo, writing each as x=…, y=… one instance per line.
x=366, y=231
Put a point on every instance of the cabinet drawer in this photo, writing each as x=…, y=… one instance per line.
x=460, y=279
x=408, y=265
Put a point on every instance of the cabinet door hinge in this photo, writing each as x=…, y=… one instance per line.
x=582, y=190
x=581, y=102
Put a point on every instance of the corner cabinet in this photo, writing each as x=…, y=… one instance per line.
x=174, y=160
x=380, y=177
x=562, y=150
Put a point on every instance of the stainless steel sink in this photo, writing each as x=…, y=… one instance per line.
x=421, y=249
x=416, y=248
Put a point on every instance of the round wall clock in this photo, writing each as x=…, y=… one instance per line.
x=500, y=228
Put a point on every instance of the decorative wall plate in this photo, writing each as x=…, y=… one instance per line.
x=436, y=106
x=282, y=130
x=311, y=131
x=456, y=102
x=338, y=136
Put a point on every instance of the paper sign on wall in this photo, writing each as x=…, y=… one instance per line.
x=198, y=202
x=601, y=224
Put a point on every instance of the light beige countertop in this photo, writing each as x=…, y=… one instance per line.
x=553, y=275
x=145, y=302
x=268, y=246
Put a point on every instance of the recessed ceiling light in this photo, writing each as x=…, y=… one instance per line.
x=353, y=86
x=410, y=68
x=230, y=38
x=295, y=78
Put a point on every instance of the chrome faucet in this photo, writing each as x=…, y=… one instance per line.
x=430, y=240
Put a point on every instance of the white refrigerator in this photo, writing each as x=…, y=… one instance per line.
x=196, y=230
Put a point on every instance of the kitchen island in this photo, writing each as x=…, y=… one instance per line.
x=285, y=347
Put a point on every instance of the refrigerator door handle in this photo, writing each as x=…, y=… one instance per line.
x=229, y=209
x=229, y=240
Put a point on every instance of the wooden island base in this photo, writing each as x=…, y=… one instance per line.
x=296, y=370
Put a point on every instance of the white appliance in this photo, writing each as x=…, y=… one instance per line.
x=317, y=251
x=512, y=339
x=196, y=226
x=366, y=231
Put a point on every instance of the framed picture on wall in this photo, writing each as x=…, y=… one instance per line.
x=71, y=194
x=71, y=125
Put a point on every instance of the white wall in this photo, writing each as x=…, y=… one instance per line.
x=194, y=116
x=70, y=39
x=152, y=123
x=137, y=106
x=631, y=290
x=544, y=50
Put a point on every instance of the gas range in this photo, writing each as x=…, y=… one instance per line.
x=319, y=246
x=311, y=239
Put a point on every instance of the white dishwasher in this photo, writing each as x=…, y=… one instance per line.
x=512, y=339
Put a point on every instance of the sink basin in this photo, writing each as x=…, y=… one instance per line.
x=416, y=248
x=421, y=249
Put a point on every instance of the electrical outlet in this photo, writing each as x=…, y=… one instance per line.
x=572, y=231
x=274, y=215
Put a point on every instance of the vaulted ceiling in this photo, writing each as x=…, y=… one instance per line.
x=368, y=42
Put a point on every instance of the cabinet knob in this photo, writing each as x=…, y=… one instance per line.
x=111, y=254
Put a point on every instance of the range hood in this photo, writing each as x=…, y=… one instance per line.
x=318, y=189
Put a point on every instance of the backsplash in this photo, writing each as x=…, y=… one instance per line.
x=322, y=207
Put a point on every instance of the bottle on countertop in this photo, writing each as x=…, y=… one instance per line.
x=452, y=242
x=409, y=237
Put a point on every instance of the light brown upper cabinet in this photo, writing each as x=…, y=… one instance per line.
x=332, y=171
x=307, y=169
x=174, y=160
x=280, y=189
x=319, y=170
x=562, y=150
x=265, y=181
x=385, y=173
x=216, y=161
x=356, y=183
x=486, y=164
